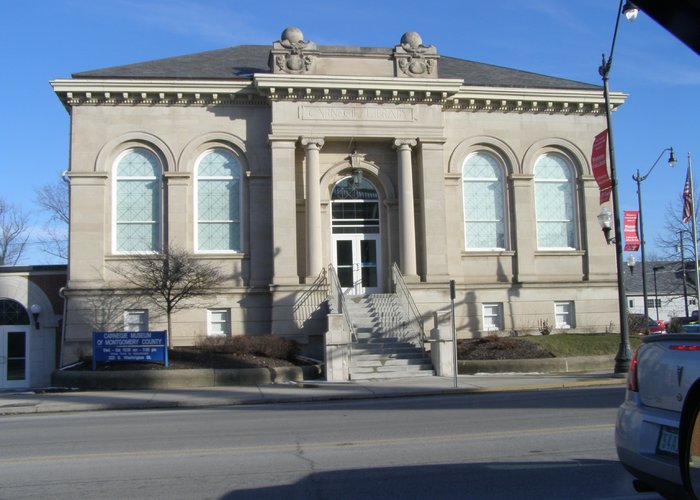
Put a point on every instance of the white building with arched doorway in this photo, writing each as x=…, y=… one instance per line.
x=31, y=310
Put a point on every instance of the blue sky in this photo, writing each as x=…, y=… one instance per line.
x=44, y=40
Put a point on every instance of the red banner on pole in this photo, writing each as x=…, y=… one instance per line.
x=600, y=168
x=631, y=234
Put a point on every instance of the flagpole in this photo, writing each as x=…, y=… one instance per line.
x=694, y=230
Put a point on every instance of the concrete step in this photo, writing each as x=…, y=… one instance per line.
x=390, y=362
x=391, y=375
x=387, y=354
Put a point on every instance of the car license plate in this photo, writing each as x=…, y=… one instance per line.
x=668, y=441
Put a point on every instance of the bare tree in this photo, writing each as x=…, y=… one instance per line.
x=169, y=279
x=676, y=242
x=14, y=233
x=53, y=199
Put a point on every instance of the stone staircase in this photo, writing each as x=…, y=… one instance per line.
x=385, y=346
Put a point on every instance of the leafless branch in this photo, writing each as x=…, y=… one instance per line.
x=169, y=279
x=14, y=233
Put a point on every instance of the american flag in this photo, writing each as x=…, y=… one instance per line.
x=687, y=198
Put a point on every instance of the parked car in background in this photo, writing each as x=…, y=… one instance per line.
x=663, y=394
x=640, y=324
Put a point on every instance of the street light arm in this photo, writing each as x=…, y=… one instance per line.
x=604, y=69
x=637, y=177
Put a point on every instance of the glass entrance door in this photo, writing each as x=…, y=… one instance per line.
x=357, y=263
x=13, y=357
x=356, y=236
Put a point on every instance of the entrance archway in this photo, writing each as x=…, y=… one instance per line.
x=14, y=344
x=356, y=233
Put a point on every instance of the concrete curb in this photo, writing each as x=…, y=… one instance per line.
x=544, y=365
x=170, y=379
x=41, y=406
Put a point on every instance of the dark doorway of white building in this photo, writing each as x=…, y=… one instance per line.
x=14, y=338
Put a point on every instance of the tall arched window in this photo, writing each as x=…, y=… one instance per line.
x=218, y=202
x=138, y=202
x=483, y=191
x=554, y=202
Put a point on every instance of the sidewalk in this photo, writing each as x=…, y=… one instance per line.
x=54, y=400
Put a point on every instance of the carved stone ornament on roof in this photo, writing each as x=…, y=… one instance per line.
x=413, y=59
x=292, y=54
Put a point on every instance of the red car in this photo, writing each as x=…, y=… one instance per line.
x=642, y=325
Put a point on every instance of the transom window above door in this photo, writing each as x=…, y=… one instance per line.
x=13, y=313
x=355, y=207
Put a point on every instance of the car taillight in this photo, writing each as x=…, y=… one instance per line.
x=685, y=348
x=632, y=380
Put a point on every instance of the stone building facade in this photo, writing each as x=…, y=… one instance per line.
x=274, y=162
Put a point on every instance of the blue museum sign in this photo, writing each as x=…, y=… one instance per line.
x=129, y=346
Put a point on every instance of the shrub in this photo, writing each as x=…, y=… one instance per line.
x=269, y=346
x=675, y=325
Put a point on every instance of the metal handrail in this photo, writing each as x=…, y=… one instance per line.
x=337, y=296
x=404, y=295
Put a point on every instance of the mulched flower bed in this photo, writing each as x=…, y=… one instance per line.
x=189, y=358
x=499, y=348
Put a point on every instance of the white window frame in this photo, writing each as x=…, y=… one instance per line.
x=143, y=313
x=212, y=320
x=566, y=318
x=197, y=178
x=159, y=191
x=493, y=311
x=572, y=185
x=504, y=205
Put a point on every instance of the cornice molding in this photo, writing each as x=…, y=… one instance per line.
x=529, y=100
x=284, y=87
x=264, y=88
x=73, y=92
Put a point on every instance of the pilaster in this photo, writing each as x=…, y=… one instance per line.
x=433, y=210
x=284, y=228
x=526, y=227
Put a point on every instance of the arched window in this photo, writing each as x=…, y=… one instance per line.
x=483, y=191
x=138, y=202
x=13, y=313
x=218, y=202
x=554, y=202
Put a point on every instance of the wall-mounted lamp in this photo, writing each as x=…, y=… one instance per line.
x=605, y=221
x=356, y=176
x=631, y=261
x=35, y=309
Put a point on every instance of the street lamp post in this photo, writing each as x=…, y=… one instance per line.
x=624, y=353
x=656, y=292
x=639, y=179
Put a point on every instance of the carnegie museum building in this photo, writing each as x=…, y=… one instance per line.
x=298, y=169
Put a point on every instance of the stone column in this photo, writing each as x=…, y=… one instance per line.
x=284, y=211
x=314, y=258
x=407, y=221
